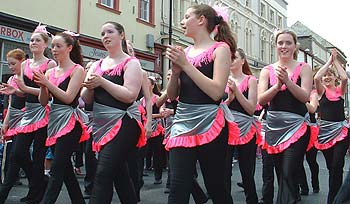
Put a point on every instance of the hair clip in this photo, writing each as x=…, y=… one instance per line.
x=221, y=11
x=71, y=33
x=41, y=29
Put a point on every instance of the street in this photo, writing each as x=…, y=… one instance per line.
x=154, y=194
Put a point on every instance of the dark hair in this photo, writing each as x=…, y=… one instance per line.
x=156, y=89
x=245, y=67
x=294, y=36
x=224, y=32
x=75, y=54
x=18, y=54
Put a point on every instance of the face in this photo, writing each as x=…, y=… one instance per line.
x=285, y=46
x=329, y=79
x=37, y=43
x=238, y=62
x=150, y=85
x=110, y=36
x=189, y=22
x=14, y=65
x=60, y=49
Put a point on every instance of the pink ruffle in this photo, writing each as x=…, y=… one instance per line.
x=35, y=126
x=96, y=147
x=205, y=57
x=85, y=135
x=313, y=136
x=10, y=133
x=281, y=147
x=116, y=70
x=244, y=139
x=243, y=86
x=158, y=132
x=200, y=139
x=29, y=71
x=58, y=80
x=294, y=77
x=333, y=95
x=331, y=143
x=233, y=131
x=142, y=139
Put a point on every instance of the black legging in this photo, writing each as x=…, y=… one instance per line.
x=155, y=144
x=311, y=158
x=286, y=164
x=34, y=168
x=268, y=176
x=90, y=166
x=335, y=163
x=212, y=160
x=62, y=168
x=247, y=162
x=112, y=166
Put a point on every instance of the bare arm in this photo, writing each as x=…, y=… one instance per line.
x=341, y=71
x=313, y=104
x=129, y=91
x=161, y=99
x=148, y=101
x=215, y=87
x=266, y=94
x=87, y=94
x=248, y=104
x=302, y=92
x=319, y=74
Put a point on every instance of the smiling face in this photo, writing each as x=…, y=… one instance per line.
x=60, y=48
x=238, y=62
x=286, y=46
x=329, y=78
x=37, y=43
x=110, y=36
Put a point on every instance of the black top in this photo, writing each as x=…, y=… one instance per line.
x=64, y=85
x=331, y=110
x=17, y=102
x=235, y=105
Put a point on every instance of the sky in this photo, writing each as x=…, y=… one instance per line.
x=328, y=18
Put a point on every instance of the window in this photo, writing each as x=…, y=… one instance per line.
x=247, y=3
x=263, y=43
x=109, y=5
x=272, y=16
x=146, y=12
x=279, y=22
x=262, y=10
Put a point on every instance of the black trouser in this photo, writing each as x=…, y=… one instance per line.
x=134, y=171
x=78, y=158
x=311, y=158
x=286, y=164
x=212, y=160
x=246, y=159
x=343, y=195
x=90, y=166
x=34, y=168
x=155, y=143
x=268, y=177
x=62, y=168
x=335, y=163
x=112, y=166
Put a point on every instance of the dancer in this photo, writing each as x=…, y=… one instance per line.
x=199, y=130
x=15, y=108
x=114, y=84
x=242, y=98
x=66, y=128
x=311, y=154
x=286, y=86
x=333, y=138
x=33, y=126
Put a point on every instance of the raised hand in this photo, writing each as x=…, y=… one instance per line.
x=40, y=78
x=7, y=89
x=93, y=81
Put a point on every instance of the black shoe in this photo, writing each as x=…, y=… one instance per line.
x=304, y=192
x=240, y=184
x=157, y=181
x=316, y=190
x=167, y=190
x=25, y=199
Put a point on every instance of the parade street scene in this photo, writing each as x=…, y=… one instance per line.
x=174, y=102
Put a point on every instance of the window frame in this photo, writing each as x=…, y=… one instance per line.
x=115, y=8
x=151, y=9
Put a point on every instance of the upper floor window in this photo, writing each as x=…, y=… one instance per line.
x=279, y=22
x=262, y=10
x=110, y=5
x=146, y=11
x=272, y=16
x=247, y=3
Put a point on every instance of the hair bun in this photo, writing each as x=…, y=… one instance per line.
x=218, y=20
